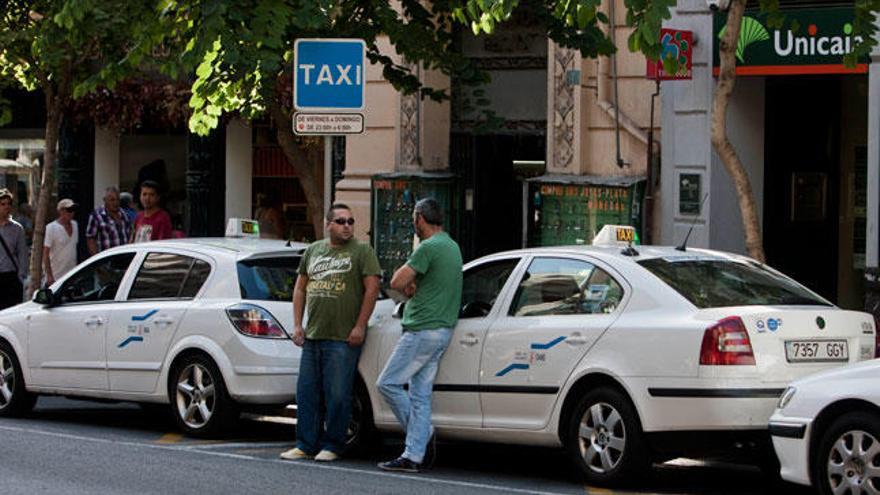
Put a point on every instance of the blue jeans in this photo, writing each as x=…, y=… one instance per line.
x=326, y=375
x=414, y=362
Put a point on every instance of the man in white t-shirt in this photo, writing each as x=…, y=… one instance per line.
x=59, y=246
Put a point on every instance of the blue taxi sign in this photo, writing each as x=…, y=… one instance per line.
x=329, y=75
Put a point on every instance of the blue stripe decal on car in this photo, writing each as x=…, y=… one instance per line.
x=133, y=338
x=548, y=344
x=514, y=366
x=144, y=317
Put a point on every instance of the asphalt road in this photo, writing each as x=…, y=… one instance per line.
x=78, y=447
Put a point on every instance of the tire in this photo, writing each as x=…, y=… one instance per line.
x=841, y=468
x=604, y=439
x=361, y=433
x=15, y=400
x=200, y=404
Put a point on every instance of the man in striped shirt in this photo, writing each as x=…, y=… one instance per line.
x=108, y=226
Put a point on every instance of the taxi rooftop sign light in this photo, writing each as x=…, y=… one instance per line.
x=242, y=227
x=616, y=235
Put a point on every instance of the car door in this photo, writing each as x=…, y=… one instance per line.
x=66, y=340
x=456, y=399
x=560, y=307
x=142, y=328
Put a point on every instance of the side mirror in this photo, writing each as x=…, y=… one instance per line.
x=398, y=310
x=45, y=297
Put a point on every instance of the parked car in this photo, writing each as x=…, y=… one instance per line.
x=198, y=324
x=622, y=355
x=826, y=431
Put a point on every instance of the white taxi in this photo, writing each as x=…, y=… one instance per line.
x=826, y=430
x=623, y=355
x=198, y=324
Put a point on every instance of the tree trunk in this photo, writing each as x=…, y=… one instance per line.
x=720, y=141
x=305, y=161
x=47, y=187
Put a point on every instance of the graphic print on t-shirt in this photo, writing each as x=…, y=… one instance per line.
x=327, y=275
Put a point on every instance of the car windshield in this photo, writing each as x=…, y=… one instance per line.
x=268, y=279
x=714, y=282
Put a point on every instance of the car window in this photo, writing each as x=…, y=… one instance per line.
x=268, y=279
x=168, y=276
x=482, y=284
x=716, y=282
x=561, y=286
x=98, y=281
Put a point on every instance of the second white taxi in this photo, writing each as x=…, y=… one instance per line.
x=622, y=355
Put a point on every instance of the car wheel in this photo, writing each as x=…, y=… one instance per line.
x=199, y=401
x=361, y=431
x=15, y=400
x=848, y=457
x=604, y=438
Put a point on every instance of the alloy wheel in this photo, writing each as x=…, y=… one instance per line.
x=601, y=437
x=7, y=380
x=195, y=396
x=853, y=464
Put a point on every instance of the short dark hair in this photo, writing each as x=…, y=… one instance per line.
x=430, y=210
x=152, y=185
x=6, y=194
x=335, y=206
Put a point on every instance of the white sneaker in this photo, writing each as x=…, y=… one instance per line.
x=326, y=456
x=295, y=454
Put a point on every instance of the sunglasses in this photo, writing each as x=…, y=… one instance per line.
x=343, y=221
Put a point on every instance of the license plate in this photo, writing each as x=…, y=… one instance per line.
x=816, y=350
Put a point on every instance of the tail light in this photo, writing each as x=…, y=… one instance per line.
x=255, y=321
x=727, y=343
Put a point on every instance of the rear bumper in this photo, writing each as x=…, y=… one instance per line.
x=262, y=371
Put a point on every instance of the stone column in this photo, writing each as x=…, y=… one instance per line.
x=563, y=110
x=872, y=272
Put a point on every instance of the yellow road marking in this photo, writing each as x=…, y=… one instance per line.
x=169, y=438
x=591, y=490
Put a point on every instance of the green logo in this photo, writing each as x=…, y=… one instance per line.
x=750, y=31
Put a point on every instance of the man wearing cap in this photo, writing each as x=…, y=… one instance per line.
x=13, y=254
x=108, y=226
x=59, y=244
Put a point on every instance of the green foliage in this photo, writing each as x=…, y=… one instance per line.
x=69, y=47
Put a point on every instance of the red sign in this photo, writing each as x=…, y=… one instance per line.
x=677, y=45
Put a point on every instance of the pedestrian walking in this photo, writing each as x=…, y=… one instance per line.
x=431, y=278
x=338, y=282
x=59, y=243
x=153, y=223
x=108, y=224
x=13, y=255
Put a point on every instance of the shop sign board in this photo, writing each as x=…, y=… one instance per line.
x=677, y=45
x=811, y=41
x=329, y=75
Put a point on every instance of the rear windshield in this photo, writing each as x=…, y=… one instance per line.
x=268, y=279
x=713, y=283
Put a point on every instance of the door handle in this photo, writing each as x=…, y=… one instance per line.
x=93, y=321
x=576, y=339
x=163, y=321
x=469, y=340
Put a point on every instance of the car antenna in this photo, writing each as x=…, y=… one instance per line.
x=683, y=246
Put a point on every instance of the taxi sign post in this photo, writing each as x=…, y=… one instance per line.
x=242, y=227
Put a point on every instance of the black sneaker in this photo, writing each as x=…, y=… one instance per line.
x=401, y=465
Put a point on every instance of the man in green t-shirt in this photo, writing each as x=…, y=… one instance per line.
x=431, y=278
x=339, y=282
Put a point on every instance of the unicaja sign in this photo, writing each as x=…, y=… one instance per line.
x=812, y=41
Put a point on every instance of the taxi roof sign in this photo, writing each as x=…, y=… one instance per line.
x=242, y=227
x=616, y=235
